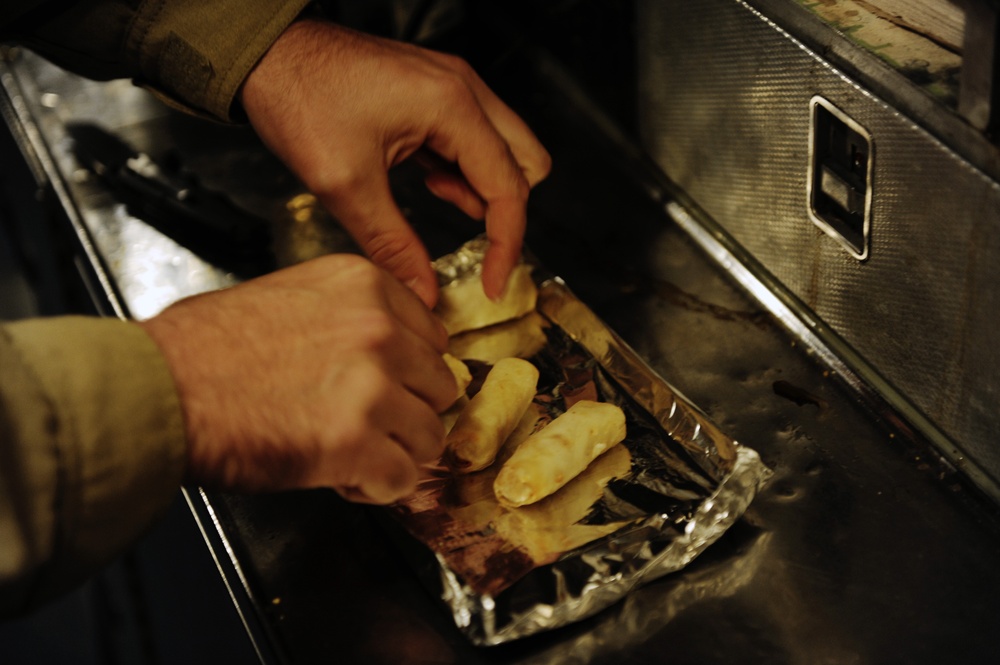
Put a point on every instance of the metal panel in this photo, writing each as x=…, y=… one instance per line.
x=725, y=112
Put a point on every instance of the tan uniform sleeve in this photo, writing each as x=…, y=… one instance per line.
x=91, y=450
x=194, y=54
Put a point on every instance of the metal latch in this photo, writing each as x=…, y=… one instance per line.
x=840, y=176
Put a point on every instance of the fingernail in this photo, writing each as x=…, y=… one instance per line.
x=498, y=295
x=489, y=282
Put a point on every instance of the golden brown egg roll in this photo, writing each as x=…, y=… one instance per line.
x=463, y=377
x=491, y=415
x=559, y=452
x=521, y=338
x=463, y=305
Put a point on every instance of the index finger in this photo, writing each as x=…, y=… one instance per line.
x=490, y=168
x=506, y=220
x=531, y=156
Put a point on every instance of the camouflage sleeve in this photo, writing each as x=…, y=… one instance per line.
x=193, y=54
x=91, y=450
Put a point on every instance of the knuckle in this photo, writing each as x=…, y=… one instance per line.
x=352, y=432
x=542, y=166
x=387, y=247
x=459, y=65
x=521, y=187
x=515, y=189
x=381, y=333
x=389, y=483
x=453, y=87
x=334, y=180
x=444, y=62
x=397, y=483
x=369, y=385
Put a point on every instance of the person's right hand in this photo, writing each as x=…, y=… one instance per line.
x=328, y=373
x=341, y=108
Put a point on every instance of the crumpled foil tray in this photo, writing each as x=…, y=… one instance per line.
x=643, y=509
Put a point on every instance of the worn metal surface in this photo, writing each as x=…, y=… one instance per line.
x=725, y=114
x=863, y=549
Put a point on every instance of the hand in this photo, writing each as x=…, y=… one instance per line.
x=340, y=108
x=325, y=374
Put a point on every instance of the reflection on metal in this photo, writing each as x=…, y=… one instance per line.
x=646, y=612
x=155, y=271
x=140, y=270
x=229, y=569
x=796, y=321
x=303, y=207
x=30, y=132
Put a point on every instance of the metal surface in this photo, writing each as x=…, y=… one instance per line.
x=861, y=550
x=726, y=113
x=20, y=108
x=887, y=83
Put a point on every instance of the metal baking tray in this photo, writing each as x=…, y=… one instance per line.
x=642, y=510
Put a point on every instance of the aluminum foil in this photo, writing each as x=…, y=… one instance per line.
x=643, y=509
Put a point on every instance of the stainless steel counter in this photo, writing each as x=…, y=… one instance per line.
x=864, y=548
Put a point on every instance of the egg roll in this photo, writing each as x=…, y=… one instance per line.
x=520, y=338
x=463, y=377
x=463, y=305
x=559, y=452
x=491, y=415
x=551, y=526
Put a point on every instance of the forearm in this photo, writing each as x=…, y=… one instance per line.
x=194, y=54
x=91, y=450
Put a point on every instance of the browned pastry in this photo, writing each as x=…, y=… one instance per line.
x=463, y=305
x=521, y=338
x=559, y=452
x=491, y=415
x=463, y=377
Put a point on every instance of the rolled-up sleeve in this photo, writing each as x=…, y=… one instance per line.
x=91, y=450
x=194, y=54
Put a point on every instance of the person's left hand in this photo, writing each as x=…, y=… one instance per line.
x=325, y=374
x=340, y=108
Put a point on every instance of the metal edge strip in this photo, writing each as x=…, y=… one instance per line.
x=41, y=157
x=228, y=565
x=878, y=395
